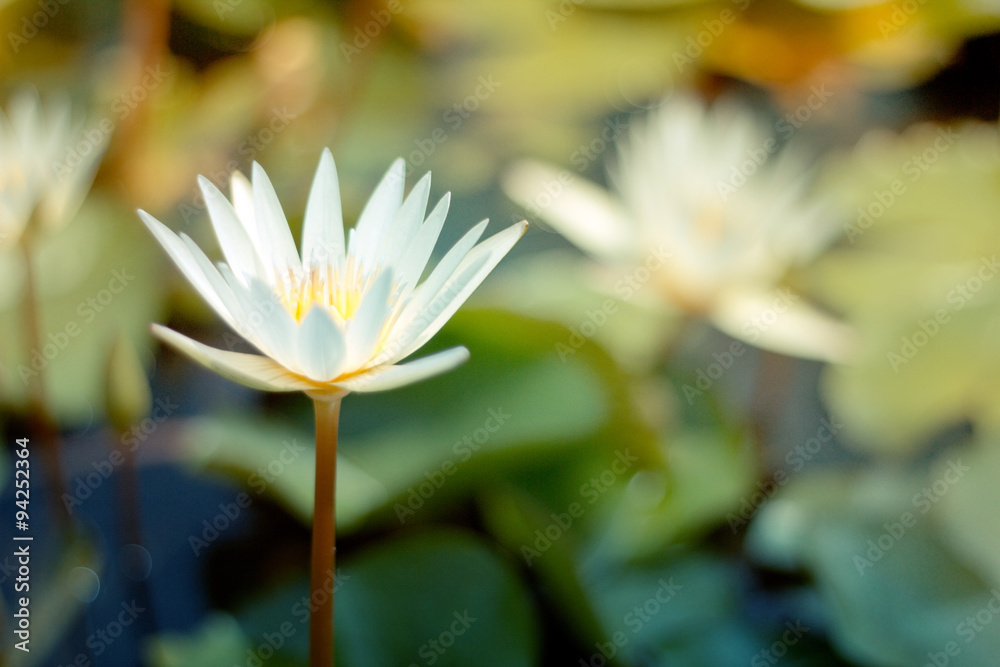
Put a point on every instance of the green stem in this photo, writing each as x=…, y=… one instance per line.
x=324, y=535
x=43, y=424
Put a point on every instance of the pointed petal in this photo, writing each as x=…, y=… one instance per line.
x=264, y=321
x=441, y=274
x=323, y=227
x=185, y=262
x=391, y=377
x=407, y=223
x=272, y=226
x=413, y=263
x=233, y=315
x=236, y=243
x=582, y=212
x=251, y=370
x=378, y=213
x=364, y=331
x=273, y=324
x=242, y=193
x=472, y=271
x=320, y=346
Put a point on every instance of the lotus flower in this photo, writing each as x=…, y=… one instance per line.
x=338, y=318
x=712, y=191
x=46, y=164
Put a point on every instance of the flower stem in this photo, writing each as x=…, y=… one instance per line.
x=40, y=419
x=324, y=535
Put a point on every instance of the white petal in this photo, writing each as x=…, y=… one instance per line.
x=320, y=346
x=414, y=261
x=264, y=320
x=185, y=262
x=443, y=272
x=248, y=369
x=272, y=226
x=236, y=243
x=783, y=322
x=365, y=327
x=323, y=227
x=391, y=377
x=273, y=324
x=378, y=213
x=233, y=314
x=242, y=193
x=472, y=271
x=579, y=210
x=407, y=223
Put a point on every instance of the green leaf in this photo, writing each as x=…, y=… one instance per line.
x=969, y=516
x=441, y=598
x=893, y=589
x=219, y=640
x=706, y=476
x=681, y=609
x=278, y=461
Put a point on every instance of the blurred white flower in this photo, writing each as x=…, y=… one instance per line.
x=712, y=212
x=37, y=181
x=339, y=318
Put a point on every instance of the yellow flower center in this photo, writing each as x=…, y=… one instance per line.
x=338, y=289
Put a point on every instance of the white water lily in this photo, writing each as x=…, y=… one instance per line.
x=710, y=190
x=340, y=317
x=43, y=177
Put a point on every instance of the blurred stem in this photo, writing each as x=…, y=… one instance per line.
x=127, y=478
x=684, y=325
x=324, y=535
x=42, y=423
x=128, y=493
x=772, y=389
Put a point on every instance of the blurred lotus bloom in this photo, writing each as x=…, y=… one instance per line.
x=339, y=318
x=711, y=213
x=46, y=165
